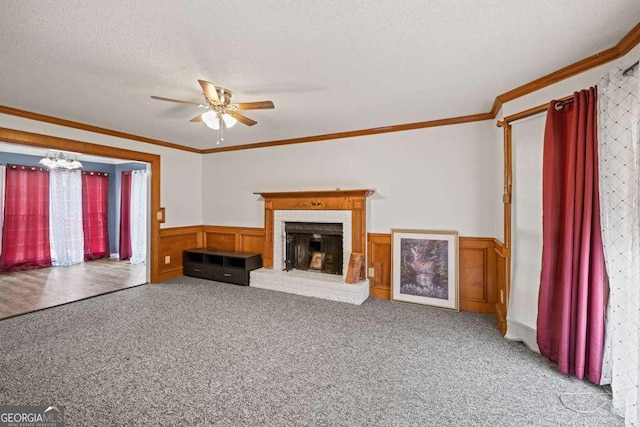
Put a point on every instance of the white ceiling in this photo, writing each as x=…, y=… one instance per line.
x=329, y=66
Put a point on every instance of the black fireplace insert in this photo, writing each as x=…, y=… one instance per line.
x=314, y=246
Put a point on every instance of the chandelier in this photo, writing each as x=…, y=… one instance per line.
x=58, y=159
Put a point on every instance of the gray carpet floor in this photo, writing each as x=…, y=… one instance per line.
x=194, y=352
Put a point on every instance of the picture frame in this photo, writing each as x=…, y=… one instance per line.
x=425, y=267
x=317, y=261
x=356, y=261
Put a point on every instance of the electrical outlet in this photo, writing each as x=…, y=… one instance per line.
x=372, y=272
x=167, y=259
x=501, y=296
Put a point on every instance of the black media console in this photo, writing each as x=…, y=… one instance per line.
x=221, y=266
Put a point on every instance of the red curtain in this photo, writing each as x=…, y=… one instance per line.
x=25, y=237
x=95, y=221
x=125, y=216
x=573, y=284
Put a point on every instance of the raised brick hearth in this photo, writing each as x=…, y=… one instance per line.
x=311, y=284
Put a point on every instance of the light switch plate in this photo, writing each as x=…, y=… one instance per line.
x=167, y=259
x=372, y=272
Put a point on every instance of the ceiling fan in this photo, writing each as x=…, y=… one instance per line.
x=221, y=112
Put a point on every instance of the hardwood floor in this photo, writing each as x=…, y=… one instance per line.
x=25, y=291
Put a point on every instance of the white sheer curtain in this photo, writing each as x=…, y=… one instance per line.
x=3, y=172
x=139, y=195
x=619, y=136
x=65, y=217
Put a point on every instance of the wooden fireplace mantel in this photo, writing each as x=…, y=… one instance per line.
x=323, y=193
x=351, y=200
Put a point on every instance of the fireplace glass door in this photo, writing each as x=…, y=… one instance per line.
x=314, y=247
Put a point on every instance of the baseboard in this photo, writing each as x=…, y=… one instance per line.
x=477, y=307
x=380, y=293
x=169, y=274
x=517, y=331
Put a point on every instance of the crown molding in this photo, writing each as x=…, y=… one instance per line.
x=354, y=133
x=90, y=128
x=628, y=42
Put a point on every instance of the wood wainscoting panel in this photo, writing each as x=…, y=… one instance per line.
x=472, y=272
x=477, y=271
x=379, y=263
x=480, y=269
x=219, y=240
x=477, y=275
x=172, y=242
x=252, y=242
x=241, y=239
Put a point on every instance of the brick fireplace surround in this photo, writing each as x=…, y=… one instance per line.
x=342, y=206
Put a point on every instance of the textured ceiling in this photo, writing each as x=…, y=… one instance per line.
x=329, y=66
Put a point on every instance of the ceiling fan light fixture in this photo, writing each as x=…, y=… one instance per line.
x=210, y=118
x=213, y=125
x=229, y=121
x=221, y=112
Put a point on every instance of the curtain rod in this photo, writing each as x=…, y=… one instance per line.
x=561, y=104
x=532, y=111
x=542, y=108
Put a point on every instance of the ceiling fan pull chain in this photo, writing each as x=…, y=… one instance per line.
x=220, y=130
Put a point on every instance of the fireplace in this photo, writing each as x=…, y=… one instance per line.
x=317, y=214
x=313, y=246
x=321, y=218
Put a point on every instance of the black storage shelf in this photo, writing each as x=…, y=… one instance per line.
x=221, y=266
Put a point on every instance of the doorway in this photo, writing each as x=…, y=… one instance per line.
x=101, y=276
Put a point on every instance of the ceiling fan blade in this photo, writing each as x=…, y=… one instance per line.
x=197, y=118
x=160, y=98
x=242, y=119
x=210, y=91
x=260, y=105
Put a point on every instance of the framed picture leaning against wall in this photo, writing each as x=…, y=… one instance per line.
x=425, y=267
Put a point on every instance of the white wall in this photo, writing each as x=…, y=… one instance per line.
x=181, y=171
x=528, y=136
x=434, y=178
